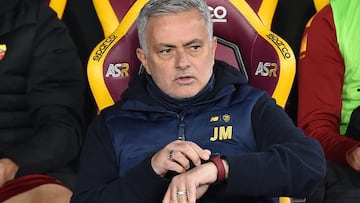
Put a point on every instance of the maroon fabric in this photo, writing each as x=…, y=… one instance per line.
x=23, y=184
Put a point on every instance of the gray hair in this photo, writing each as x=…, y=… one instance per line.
x=159, y=7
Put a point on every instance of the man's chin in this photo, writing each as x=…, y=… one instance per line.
x=184, y=95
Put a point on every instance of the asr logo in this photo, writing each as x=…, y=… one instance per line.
x=117, y=70
x=267, y=69
x=221, y=132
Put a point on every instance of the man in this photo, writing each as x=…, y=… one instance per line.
x=159, y=143
x=329, y=97
x=41, y=104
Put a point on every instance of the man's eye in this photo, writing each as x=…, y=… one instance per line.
x=165, y=51
x=195, y=47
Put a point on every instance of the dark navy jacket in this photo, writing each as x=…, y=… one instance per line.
x=267, y=155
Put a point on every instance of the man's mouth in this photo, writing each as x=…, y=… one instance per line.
x=184, y=80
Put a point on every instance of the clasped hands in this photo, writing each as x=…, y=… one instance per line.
x=189, y=184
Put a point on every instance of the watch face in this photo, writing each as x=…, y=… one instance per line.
x=215, y=155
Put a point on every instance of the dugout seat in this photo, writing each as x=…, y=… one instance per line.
x=243, y=41
x=264, y=57
x=110, y=12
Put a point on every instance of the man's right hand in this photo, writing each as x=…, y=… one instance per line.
x=177, y=156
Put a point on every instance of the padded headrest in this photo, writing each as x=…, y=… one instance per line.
x=244, y=41
x=110, y=12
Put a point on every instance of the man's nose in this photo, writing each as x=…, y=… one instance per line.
x=182, y=59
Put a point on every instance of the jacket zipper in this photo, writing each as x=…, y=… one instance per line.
x=181, y=135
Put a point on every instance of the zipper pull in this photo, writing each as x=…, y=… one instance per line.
x=181, y=135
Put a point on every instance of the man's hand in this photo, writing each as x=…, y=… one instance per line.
x=191, y=185
x=8, y=170
x=354, y=159
x=177, y=156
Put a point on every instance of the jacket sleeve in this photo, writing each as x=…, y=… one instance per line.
x=320, y=81
x=103, y=184
x=287, y=162
x=55, y=96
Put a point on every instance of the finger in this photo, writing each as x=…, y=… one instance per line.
x=163, y=161
x=191, y=151
x=203, y=153
x=171, y=154
x=191, y=195
x=174, y=165
x=180, y=159
x=177, y=190
x=185, y=151
x=196, y=153
x=167, y=199
x=181, y=196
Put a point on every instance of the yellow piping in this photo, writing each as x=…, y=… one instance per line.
x=286, y=76
x=95, y=69
x=266, y=12
x=58, y=6
x=107, y=16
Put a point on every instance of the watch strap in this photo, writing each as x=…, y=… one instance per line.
x=216, y=159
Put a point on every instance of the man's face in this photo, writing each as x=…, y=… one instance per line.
x=180, y=54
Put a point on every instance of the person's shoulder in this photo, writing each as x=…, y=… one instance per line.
x=248, y=93
x=30, y=11
x=40, y=7
x=30, y=5
x=111, y=111
x=322, y=17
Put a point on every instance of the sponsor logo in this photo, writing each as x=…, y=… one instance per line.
x=280, y=44
x=117, y=70
x=214, y=119
x=2, y=51
x=104, y=45
x=226, y=118
x=218, y=14
x=221, y=132
x=267, y=69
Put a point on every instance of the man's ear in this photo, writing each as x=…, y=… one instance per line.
x=142, y=57
x=214, y=45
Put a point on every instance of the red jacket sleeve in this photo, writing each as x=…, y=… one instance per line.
x=320, y=82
